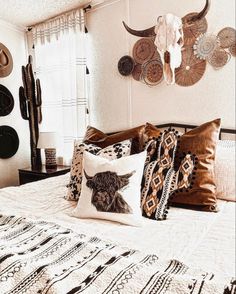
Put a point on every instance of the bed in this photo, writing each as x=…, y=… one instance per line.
x=178, y=255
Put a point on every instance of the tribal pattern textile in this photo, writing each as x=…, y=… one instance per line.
x=162, y=176
x=38, y=257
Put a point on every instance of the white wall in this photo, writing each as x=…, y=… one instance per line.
x=117, y=102
x=14, y=39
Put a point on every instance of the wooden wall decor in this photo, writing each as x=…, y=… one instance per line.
x=152, y=52
x=30, y=107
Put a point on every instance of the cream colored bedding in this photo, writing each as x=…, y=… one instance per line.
x=202, y=239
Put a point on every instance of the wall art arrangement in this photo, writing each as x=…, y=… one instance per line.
x=30, y=107
x=9, y=140
x=177, y=50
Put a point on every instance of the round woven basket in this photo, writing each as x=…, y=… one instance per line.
x=137, y=72
x=143, y=50
x=227, y=37
x=205, y=45
x=191, y=32
x=219, y=58
x=191, y=70
x=232, y=49
x=126, y=65
x=152, y=72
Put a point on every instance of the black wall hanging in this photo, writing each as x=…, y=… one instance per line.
x=9, y=142
x=6, y=101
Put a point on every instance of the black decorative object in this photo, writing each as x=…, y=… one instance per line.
x=126, y=65
x=6, y=101
x=30, y=107
x=9, y=142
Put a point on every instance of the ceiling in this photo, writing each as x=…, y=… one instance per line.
x=28, y=12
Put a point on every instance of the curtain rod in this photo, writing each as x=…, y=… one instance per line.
x=84, y=7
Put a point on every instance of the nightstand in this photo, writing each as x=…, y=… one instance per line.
x=27, y=175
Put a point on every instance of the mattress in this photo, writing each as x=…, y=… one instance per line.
x=200, y=239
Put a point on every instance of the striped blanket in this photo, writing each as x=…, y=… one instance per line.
x=43, y=257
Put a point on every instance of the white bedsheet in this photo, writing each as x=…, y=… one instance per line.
x=201, y=239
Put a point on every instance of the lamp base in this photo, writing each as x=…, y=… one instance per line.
x=50, y=158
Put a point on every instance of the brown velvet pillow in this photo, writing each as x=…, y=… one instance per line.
x=200, y=141
x=100, y=139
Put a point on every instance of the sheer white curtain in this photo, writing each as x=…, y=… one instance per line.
x=59, y=47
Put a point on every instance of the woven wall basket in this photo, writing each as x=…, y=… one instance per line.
x=205, y=45
x=227, y=37
x=137, y=72
x=191, y=70
x=219, y=58
x=152, y=72
x=232, y=49
x=143, y=50
x=191, y=32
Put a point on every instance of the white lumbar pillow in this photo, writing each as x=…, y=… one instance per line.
x=111, y=189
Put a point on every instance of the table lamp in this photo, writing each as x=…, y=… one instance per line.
x=48, y=142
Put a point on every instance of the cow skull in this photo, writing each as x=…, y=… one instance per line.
x=169, y=39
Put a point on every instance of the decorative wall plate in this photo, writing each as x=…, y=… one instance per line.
x=126, y=65
x=6, y=62
x=191, y=70
x=6, y=101
x=232, y=49
x=9, y=142
x=227, y=37
x=205, y=45
x=137, y=72
x=152, y=72
x=219, y=58
x=143, y=50
x=191, y=32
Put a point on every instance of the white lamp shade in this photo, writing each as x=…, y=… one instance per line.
x=47, y=140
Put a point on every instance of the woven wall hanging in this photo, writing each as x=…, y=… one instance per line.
x=152, y=72
x=219, y=58
x=191, y=32
x=191, y=70
x=227, y=37
x=159, y=49
x=143, y=50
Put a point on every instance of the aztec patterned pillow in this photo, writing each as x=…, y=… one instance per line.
x=111, y=152
x=111, y=189
x=161, y=175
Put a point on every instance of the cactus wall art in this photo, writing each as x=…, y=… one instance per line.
x=30, y=107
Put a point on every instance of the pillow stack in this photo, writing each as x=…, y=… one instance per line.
x=201, y=142
x=113, y=178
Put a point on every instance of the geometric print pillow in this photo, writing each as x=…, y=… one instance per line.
x=162, y=176
x=111, y=152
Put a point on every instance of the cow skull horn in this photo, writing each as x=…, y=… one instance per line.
x=143, y=33
x=127, y=176
x=201, y=14
x=87, y=176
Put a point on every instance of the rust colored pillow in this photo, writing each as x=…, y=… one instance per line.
x=100, y=139
x=200, y=141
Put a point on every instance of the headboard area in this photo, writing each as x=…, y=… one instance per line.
x=225, y=134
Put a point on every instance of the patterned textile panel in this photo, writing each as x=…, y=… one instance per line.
x=43, y=257
x=162, y=176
